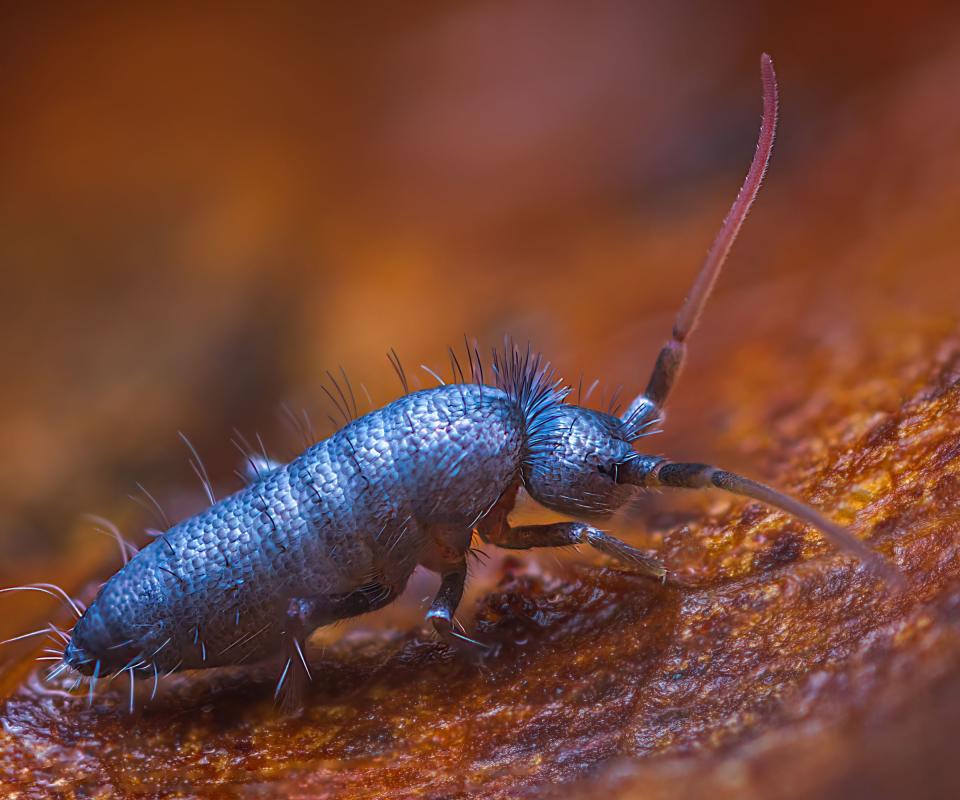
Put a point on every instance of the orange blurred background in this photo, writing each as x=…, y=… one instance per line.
x=203, y=209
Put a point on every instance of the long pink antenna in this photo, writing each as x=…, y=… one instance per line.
x=692, y=307
x=673, y=353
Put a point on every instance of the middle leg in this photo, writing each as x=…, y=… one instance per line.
x=444, y=606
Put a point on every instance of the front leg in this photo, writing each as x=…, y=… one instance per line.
x=564, y=534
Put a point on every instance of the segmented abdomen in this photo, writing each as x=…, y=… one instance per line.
x=354, y=509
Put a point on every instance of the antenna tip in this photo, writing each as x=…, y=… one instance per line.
x=766, y=67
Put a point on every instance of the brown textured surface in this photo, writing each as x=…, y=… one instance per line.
x=779, y=653
x=829, y=364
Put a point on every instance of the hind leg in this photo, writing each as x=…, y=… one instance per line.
x=306, y=614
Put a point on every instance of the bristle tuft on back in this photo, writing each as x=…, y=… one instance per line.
x=531, y=382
